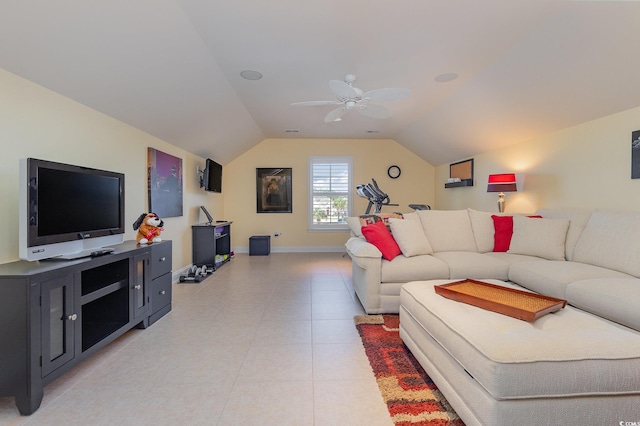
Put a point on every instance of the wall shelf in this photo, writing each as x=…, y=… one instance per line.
x=463, y=182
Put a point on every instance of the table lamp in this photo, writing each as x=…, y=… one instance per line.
x=505, y=182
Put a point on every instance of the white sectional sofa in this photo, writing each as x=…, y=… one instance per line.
x=549, y=256
x=577, y=366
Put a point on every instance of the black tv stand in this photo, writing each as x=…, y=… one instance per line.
x=53, y=315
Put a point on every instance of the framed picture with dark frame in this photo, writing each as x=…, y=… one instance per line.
x=460, y=174
x=273, y=190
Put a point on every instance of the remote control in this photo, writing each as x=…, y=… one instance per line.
x=101, y=252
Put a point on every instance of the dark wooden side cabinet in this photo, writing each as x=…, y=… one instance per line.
x=56, y=313
x=209, y=240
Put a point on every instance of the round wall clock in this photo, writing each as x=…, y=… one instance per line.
x=394, y=172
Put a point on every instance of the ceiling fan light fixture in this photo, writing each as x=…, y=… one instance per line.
x=351, y=98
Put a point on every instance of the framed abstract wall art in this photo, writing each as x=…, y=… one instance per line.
x=164, y=183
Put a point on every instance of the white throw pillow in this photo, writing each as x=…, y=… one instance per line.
x=355, y=226
x=577, y=221
x=410, y=237
x=539, y=237
x=448, y=230
x=611, y=240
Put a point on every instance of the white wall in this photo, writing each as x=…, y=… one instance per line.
x=585, y=167
x=36, y=122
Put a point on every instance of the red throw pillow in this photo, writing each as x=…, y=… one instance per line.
x=503, y=226
x=378, y=235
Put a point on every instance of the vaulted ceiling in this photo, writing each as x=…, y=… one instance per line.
x=172, y=67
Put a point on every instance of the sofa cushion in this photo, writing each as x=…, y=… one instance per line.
x=368, y=219
x=378, y=235
x=503, y=226
x=448, y=230
x=539, y=237
x=410, y=237
x=355, y=226
x=568, y=353
x=358, y=247
x=356, y=223
x=466, y=264
x=611, y=240
x=405, y=269
x=577, y=221
x=617, y=299
x=552, y=277
x=511, y=258
x=483, y=229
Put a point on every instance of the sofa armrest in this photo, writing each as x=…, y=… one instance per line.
x=359, y=247
x=366, y=262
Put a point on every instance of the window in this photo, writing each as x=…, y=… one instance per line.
x=330, y=198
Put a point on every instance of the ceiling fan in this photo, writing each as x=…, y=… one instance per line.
x=349, y=98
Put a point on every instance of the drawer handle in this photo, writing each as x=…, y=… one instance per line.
x=137, y=287
x=162, y=259
x=72, y=317
x=163, y=292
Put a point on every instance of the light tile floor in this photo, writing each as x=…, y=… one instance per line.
x=265, y=340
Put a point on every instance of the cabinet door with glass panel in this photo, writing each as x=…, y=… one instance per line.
x=140, y=287
x=58, y=322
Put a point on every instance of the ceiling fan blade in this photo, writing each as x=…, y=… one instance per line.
x=342, y=89
x=374, y=111
x=382, y=95
x=335, y=115
x=311, y=103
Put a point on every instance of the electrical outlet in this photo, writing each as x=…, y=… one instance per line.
x=277, y=234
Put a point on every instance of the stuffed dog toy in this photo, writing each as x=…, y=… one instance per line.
x=149, y=226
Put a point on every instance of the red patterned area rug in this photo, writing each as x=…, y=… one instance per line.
x=411, y=397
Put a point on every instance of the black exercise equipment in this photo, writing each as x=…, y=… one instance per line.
x=196, y=273
x=420, y=206
x=376, y=197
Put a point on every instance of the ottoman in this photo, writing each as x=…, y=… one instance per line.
x=569, y=367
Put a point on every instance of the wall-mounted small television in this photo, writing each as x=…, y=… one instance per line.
x=212, y=176
x=67, y=211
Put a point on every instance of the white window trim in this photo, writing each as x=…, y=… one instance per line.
x=313, y=227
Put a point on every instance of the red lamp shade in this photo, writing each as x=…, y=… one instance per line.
x=505, y=182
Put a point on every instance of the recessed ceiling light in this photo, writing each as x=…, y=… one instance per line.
x=449, y=76
x=250, y=75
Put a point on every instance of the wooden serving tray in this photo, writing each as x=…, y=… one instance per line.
x=507, y=301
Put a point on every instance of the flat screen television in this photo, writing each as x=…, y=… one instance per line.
x=212, y=176
x=68, y=211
